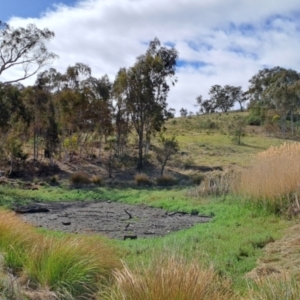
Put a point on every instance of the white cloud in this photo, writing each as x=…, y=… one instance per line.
x=234, y=38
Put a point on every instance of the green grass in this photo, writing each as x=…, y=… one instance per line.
x=213, y=146
x=232, y=241
x=72, y=265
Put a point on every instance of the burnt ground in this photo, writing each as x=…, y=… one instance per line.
x=115, y=220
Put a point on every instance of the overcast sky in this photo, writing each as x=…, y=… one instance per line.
x=219, y=41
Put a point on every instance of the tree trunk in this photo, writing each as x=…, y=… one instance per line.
x=140, y=159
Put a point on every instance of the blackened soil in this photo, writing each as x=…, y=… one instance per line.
x=115, y=220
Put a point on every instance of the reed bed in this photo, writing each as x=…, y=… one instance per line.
x=274, y=178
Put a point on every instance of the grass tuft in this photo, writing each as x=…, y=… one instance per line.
x=213, y=185
x=166, y=180
x=73, y=265
x=168, y=278
x=142, y=179
x=80, y=178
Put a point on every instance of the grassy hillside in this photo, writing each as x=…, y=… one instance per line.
x=211, y=259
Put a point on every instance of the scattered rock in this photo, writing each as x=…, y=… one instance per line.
x=31, y=210
x=130, y=237
x=66, y=223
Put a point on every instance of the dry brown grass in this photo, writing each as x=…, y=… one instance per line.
x=214, y=185
x=166, y=180
x=274, y=178
x=80, y=178
x=275, y=287
x=168, y=279
x=142, y=179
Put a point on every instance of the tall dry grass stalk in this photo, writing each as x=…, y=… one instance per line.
x=276, y=287
x=71, y=265
x=214, y=185
x=168, y=279
x=274, y=178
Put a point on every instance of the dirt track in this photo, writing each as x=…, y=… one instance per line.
x=115, y=220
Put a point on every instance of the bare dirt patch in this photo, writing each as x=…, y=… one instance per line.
x=115, y=220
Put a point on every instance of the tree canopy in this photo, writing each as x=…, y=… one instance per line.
x=24, y=47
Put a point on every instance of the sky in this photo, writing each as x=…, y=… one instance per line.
x=219, y=41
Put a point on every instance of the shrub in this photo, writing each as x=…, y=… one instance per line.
x=166, y=180
x=168, y=278
x=80, y=178
x=54, y=179
x=142, y=179
x=96, y=180
x=254, y=120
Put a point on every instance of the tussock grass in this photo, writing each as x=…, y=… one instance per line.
x=142, y=179
x=213, y=185
x=274, y=178
x=169, y=278
x=166, y=180
x=275, y=287
x=80, y=178
x=69, y=265
x=96, y=180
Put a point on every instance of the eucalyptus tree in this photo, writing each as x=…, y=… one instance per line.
x=39, y=104
x=24, y=49
x=276, y=89
x=121, y=115
x=205, y=106
x=169, y=147
x=14, y=119
x=146, y=88
x=100, y=107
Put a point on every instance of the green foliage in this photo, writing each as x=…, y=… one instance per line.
x=169, y=147
x=71, y=265
x=254, y=120
x=237, y=129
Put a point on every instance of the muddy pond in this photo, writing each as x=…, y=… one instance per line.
x=112, y=219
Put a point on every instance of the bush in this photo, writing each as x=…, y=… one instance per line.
x=254, y=120
x=54, y=179
x=166, y=180
x=96, y=180
x=80, y=178
x=142, y=179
